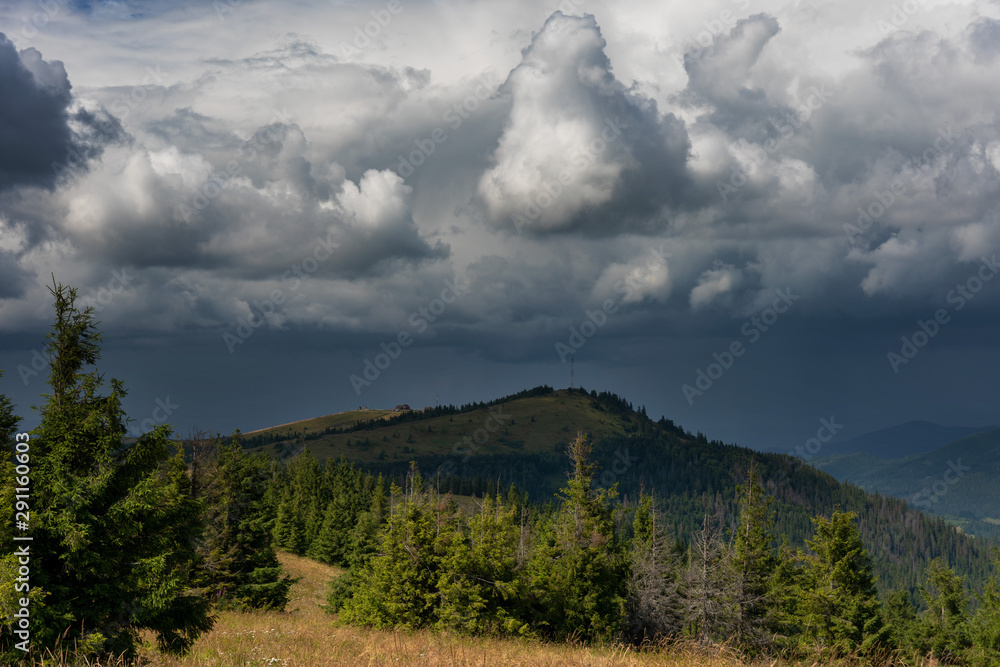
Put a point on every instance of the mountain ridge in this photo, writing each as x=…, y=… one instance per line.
x=520, y=440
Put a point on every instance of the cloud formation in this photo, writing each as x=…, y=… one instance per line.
x=537, y=156
x=579, y=150
x=35, y=133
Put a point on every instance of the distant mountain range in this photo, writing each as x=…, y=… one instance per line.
x=897, y=442
x=956, y=479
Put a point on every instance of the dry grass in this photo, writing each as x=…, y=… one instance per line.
x=305, y=636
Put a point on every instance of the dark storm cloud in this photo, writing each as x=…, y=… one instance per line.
x=34, y=117
x=13, y=279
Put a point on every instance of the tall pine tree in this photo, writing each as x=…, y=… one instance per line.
x=578, y=574
x=113, y=524
x=239, y=566
x=753, y=564
x=841, y=611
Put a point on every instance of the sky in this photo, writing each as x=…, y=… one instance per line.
x=757, y=218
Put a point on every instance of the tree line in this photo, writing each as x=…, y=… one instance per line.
x=589, y=567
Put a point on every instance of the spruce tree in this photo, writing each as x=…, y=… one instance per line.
x=398, y=586
x=479, y=582
x=363, y=542
x=984, y=627
x=786, y=596
x=289, y=528
x=841, y=611
x=113, y=524
x=240, y=567
x=945, y=622
x=902, y=624
x=326, y=545
x=578, y=574
x=753, y=563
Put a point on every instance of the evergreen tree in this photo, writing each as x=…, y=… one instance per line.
x=112, y=524
x=752, y=565
x=398, y=586
x=289, y=529
x=578, y=574
x=364, y=536
x=786, y=596
x=325, y=546
x=241, y=569
x=479, y=583
x=840, y=608
x=985, y=625
x=902, y=624
x=945, y=622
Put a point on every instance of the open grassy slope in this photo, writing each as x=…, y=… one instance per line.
x=534, y=425
x=305, y=636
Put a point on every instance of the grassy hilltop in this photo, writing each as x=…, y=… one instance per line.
x=534, y=425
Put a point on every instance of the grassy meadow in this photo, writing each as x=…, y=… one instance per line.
x=305, y=636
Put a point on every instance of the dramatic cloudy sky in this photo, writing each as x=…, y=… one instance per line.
x=759, y=199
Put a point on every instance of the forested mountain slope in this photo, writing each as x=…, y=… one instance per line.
x=521, y=440
x=957, y=481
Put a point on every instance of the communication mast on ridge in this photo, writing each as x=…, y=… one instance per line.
x=571, y=360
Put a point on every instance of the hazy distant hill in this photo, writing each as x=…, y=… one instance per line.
x=897, y=442
x=958, y=480
x=521, y=439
